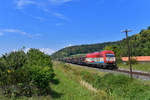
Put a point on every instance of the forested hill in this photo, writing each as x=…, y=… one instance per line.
x=80, y=49
x=139, y=43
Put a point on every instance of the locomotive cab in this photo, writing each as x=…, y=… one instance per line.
x=109, y=59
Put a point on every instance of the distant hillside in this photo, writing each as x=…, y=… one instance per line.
x=80, y=49
x=139, y=43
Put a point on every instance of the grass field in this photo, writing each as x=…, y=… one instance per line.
x=110, y=86
x=67, y=85
x=139, y=66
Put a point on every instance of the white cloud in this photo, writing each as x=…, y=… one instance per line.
x=26, y=50
x=69, y=45
x=45, y=6
x=44, y=50
x=40, y=3
x=22, y=3
x=47, y=50
x=14, y=31
x=3, y=51
x=61, y=16
x=59, y=24
x=17, y=31
x=59, y=2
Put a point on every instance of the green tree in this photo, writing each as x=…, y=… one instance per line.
x=36, y=57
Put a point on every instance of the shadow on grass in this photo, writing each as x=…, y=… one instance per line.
x=55, y=94
x=55, y=81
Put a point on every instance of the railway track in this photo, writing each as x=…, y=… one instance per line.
x=136, y=74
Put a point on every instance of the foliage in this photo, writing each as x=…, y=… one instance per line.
x=24, y=74
x=17, y=83
x=133, y=61
x=36, y=57
x=14, y=60
x=113, y=48
x=118, y=60
x=41, y=78
x=139, y=45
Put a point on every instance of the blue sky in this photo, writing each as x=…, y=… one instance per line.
x=53, y=24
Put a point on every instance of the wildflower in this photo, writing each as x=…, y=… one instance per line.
x=9, y=71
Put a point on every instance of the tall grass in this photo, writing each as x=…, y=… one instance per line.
x=117, y=86
x=139, y=66
x=69, y=86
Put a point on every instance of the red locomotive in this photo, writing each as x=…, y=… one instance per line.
x=103, y=59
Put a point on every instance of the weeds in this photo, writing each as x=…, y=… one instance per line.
x=116, y=86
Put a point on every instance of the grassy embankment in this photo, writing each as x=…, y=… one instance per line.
x=108, y=86
x=138, y=66
x=68, y=86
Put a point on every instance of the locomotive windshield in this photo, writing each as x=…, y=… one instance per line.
x=110, y=55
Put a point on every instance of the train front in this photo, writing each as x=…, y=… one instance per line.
x=109, y=59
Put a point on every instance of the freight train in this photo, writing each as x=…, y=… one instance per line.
x=105, y=59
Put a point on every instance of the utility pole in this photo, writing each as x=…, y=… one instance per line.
x=129, y=54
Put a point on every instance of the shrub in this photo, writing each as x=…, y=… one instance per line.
x=17, y=83
x=25, y=74
x=14, y=60
x=133, y=61
x=118, y=60
x=36, y=57
x=41, y=77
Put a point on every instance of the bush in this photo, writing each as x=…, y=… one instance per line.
x=118, y=60
x=25, y=74
x=14, y=60
x=41, y=77
x=17, y=83
x=36, y=57
x=133, y=61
